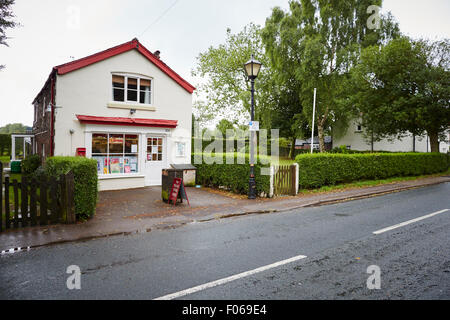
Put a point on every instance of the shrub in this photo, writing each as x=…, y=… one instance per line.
x=85, y=180
x=30, y=164
x=232, y=176
x=5, y=144
x=329, y=169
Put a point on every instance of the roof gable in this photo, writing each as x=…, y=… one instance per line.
x=125, y=47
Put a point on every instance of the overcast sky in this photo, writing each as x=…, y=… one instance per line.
x=50, y=35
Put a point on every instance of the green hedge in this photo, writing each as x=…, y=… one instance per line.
x=86, y=181
x=232, y=176
x=328, y=169
x=30, y=164
x=5, y=144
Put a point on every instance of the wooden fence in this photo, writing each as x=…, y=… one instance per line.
x=285, y=180
x=36, y=203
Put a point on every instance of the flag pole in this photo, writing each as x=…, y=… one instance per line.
x=313, y=121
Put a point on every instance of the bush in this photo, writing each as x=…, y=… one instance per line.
x=232, y=176
x=343, y=149
x=30, y=164
x=85, y=180
x=328, y=169
x=39, y=174
x=5, y=144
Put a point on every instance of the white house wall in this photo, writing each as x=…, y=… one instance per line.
x=356, y=141
x=88, y=91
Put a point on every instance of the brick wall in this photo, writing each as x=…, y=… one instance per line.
x=41, y=124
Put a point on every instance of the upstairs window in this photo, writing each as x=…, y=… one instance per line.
x=118, y=88
x=131, y=89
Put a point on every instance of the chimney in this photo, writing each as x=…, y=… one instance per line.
x=157, y=53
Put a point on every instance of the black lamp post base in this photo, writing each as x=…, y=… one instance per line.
x=252, y=189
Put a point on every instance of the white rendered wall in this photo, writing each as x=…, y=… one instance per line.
x=356, y=140
x=88, y=91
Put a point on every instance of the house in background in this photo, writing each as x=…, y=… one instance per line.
x=123, y=107
x=354, y=139
x=306, y=144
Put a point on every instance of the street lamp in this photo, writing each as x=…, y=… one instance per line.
x=252, y=68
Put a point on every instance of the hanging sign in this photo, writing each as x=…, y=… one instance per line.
x=254, y=126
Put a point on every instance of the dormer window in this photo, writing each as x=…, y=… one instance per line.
x=131, y=89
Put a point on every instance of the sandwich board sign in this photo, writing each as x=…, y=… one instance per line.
x=178, y=188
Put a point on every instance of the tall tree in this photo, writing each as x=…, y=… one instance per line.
x=6, y=21
x=223, y=126
x=224, y=88
x=14, y=128
x=404, y=87
x=314, y=45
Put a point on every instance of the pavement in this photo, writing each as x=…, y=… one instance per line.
x=141, y=210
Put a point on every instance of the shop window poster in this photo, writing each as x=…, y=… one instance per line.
x=115, y=165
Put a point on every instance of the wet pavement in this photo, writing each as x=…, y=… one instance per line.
x=142, y=210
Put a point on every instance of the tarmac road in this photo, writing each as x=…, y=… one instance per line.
x=337, y=242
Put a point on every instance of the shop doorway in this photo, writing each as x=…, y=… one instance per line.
x=155, y=160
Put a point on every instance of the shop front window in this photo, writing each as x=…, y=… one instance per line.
x=115, y=153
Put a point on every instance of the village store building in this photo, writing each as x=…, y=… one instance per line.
x=123, y=107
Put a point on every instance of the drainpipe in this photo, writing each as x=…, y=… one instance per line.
x=52, y=116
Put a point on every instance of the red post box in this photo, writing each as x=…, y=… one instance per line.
x=81, y=152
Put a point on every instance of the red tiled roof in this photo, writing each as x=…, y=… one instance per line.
x=127, y=46
x=117, y=121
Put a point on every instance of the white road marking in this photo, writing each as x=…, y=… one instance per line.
x=228, y=279
x=410, y=221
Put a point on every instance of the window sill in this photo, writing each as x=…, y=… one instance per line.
x=120, y=176
x=129, y=106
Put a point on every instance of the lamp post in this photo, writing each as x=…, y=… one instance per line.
x=252, y=68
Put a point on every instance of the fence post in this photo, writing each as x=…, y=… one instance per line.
x=297, y=172
x=70, y=190
x=33, y=202
x=7, y=214
x=43, y=202
x=272, y=177
x=16, y=203
x=1, y=195
x=54, y=200
x=63, y=208
x=24, y=201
